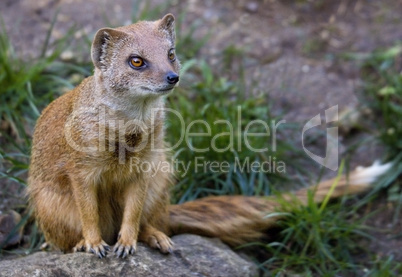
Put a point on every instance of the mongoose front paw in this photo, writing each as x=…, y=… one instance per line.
x=99, y=249
x=123, y=249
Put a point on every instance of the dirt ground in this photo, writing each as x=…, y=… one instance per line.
x=292, y=47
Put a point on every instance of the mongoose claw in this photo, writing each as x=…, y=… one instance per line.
x=166, y=246
x=80, y=246
x=162, y=242
x=122, y=251
x=99, y=253
x=99, y=250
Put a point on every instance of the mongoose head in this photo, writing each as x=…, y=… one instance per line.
x=138, y=60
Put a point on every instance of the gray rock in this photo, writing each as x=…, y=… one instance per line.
x=9, y=235
x=193, y=256
x=251, y=7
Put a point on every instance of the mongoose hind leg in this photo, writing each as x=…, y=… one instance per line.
x=156, y=239
x=57, y=217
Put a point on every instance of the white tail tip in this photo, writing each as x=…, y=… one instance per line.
x=367, y=175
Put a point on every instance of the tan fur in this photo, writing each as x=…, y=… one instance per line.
x=84, y=183
x=237, y=220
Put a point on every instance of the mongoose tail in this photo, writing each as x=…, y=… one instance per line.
x=239, y=219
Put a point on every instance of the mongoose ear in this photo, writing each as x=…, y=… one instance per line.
x=103, y=44
x=166, y=25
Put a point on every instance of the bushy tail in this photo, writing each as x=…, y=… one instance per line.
x=240, y=219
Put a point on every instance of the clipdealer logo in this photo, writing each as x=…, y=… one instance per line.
x=330, y=160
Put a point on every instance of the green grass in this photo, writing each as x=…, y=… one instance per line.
x=227, y=108
x=324, y=239
x=383, y=93
x=316, y=239
x=20, y=106
x=27, y=86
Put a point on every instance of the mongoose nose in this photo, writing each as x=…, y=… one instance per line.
x=172, y=78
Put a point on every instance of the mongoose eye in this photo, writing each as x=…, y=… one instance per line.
x=172, y=55
x=136, y=62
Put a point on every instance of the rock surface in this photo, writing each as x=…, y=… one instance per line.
x=193, y=256
x=9, y=235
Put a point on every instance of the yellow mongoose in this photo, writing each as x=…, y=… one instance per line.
x=84, y=192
